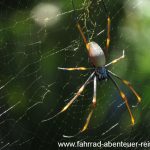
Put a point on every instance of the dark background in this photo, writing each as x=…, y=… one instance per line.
x=32, y=89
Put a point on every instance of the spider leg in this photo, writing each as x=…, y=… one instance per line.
x=78, y=25
x=108, y=33
x=116, y=60
x=124, y=98
x=128, y=84
x=82, y=34
x=93, y=106
x=108, y=27
x=90, y=114
x=77, y=68
x=73, y=99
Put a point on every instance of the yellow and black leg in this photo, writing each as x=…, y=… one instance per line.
x=108, y=28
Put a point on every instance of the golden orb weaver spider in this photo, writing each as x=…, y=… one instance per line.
x=97, y=58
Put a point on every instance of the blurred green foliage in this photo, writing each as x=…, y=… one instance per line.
x=32, y=89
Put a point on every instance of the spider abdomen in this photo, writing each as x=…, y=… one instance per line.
x=96, y=54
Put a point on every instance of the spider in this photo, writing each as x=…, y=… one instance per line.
x=100, y=72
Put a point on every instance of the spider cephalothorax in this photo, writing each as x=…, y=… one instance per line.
x=101, y=73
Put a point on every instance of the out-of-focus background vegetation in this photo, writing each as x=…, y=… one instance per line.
x=38, y=36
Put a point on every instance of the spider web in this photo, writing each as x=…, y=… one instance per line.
x=39, y=36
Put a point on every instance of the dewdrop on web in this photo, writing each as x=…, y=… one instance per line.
x=46, y=14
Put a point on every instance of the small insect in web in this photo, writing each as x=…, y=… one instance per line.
x=100, y=72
